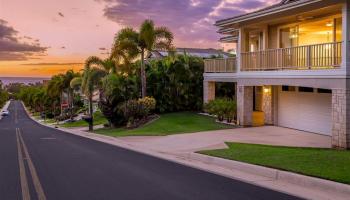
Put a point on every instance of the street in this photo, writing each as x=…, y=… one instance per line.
x=37, y=162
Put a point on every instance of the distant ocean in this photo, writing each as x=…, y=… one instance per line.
x=25, y=80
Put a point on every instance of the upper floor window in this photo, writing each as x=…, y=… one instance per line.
x=255, y=41
x=289, y=37
x=325, y=30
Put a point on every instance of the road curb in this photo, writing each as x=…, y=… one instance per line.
x=275, y=174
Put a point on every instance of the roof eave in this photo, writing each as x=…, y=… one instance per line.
x=264, y=12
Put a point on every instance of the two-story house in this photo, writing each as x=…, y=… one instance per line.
x=292, y=66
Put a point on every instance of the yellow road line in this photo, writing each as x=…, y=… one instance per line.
x=37, y=185
x=22, y=171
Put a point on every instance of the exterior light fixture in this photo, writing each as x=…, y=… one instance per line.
x=266, y=90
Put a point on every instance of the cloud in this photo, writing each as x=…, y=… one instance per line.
x=60, y=14
x=12, y=48
x=50, y=64
x=190, y=20
x=102, y=48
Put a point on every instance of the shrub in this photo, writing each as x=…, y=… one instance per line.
x=129, y=109
x=176, y=83
x=134, y=111
x=146, y=105
x=223, y=108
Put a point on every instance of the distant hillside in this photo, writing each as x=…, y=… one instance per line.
x=25, y=80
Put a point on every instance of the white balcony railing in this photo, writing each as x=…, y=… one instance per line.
x=319, y=56
x=220, y=65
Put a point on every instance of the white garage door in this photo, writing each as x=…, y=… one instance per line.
x=305, y=111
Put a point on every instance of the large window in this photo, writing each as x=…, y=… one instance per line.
x=289, y=36
x=326, y=30
x=255, y=41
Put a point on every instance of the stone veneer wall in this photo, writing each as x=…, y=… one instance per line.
x=208, y=91
x=245, y=105
x=341, y=118
x=268, y=104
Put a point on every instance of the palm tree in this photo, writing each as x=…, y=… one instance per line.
x=55, y=88
x=147, y=39
x=67, y=78
x=108, y=65
x=91, y=80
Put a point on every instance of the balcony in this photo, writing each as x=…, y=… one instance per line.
x=310, y=57
x=220, y=65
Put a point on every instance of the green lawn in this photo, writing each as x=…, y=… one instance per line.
x=323, y=163
x=167, y=124
x=50, y=121
x=98, y=119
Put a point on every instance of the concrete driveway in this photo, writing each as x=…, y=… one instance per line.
x=191, y=142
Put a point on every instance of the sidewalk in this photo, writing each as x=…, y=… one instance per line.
x=193, y=142
x=286, y=182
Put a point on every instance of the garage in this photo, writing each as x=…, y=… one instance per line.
x=305, y=109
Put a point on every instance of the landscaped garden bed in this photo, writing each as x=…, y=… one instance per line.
x=323, y=163
x=98, y=120
x=168, y=124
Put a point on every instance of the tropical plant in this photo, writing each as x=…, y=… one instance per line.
x=67, y=78
x=117, y=88
x=146, y=105
x=147, y=39
x=176, y=83
x=91, y=81
x=54, y=91
x=3, y=95
x=135, y=112
x=223, y=108
x=108, y=65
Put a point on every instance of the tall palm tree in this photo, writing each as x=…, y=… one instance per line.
x=91, y=81
x=147, y=39
x=108, y=65
x=67, y=78
x=55, y=88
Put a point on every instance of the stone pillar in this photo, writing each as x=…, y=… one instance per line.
x=341, y=118
x=346, y=37
x=268, y=104
x=244, y=105
x=208, y=91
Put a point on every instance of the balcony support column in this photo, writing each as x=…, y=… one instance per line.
x=340, y=118
x=346, y=37
x=208, y=91
x=244, y=105
x=268, y=104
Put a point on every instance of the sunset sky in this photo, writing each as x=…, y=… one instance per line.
x=39, y=38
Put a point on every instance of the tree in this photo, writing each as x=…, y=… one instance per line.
x=67, y=78
x=3, y=95
x=117, y=88
x=91, y=81
x=176, y=83
x=147, y=39
x=54, y=90
x=108, y=65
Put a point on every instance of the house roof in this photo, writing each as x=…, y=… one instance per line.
x=229, y=39
x=281, y=6
x=204, y=53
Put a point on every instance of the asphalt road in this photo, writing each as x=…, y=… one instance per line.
x=37, y=162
